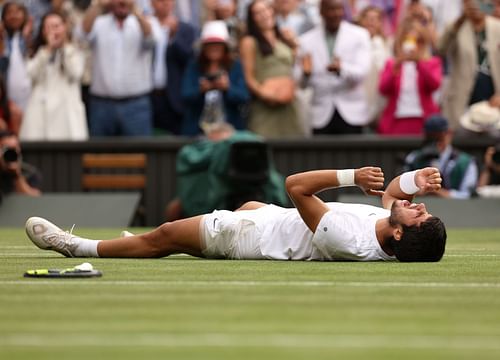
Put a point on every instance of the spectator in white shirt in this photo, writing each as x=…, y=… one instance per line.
x=122, y=42
x=16, y=36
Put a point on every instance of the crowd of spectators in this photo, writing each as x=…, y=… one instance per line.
x=74, y=69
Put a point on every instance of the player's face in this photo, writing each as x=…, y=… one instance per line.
x=406, y=213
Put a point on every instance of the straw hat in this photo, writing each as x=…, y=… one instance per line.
x=481, y=117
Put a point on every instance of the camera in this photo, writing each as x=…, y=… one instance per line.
x=213, y=76
x=9, y=154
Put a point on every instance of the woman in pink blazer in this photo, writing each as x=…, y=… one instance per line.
x=408, y=81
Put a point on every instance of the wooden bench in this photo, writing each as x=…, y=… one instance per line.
x=113, y=172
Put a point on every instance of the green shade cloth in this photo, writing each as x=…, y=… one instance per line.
x=202, y=181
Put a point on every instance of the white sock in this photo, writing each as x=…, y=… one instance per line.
x=85, y=247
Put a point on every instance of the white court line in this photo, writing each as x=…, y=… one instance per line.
x=54, y=255
x=231, y=340
x=3, y=247
x=30, y=254
x=239, y=283
x=472, y=255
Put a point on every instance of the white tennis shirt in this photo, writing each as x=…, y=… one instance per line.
x=346, y=232
x=122, y=58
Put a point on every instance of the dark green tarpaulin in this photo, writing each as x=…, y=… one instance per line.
x=202, y=181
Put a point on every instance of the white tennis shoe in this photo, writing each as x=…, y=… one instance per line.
x=48, y=236
x=125, y=233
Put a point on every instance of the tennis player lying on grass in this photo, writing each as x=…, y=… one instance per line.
x=314, y=230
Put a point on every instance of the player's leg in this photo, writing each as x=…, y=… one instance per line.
x=182, y=236
x=251, y=205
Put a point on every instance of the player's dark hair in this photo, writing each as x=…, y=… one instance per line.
x=424, y=243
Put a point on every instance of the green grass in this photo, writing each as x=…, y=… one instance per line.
x=187, y=308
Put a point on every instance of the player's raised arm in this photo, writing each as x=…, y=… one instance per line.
x=409, y=184
x=302, y=188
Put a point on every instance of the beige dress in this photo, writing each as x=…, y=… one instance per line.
x=272, y=121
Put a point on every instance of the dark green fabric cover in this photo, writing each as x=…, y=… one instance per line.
x=202, y=183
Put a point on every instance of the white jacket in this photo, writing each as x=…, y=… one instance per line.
x=345, y=92
x=55, y=110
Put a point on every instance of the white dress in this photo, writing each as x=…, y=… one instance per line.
x=55, y=110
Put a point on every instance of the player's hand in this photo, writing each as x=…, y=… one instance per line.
x=370, y=179
x=428, y=180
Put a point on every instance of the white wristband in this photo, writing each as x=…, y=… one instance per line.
x=345, y=177
x=407, y=183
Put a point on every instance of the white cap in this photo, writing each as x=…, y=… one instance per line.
x=214, y=31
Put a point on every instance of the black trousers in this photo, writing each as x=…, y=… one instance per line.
x=164, y=115
x=338, y=126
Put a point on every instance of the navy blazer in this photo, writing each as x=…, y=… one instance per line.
x=179, y=52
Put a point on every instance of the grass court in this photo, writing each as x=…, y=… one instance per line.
x=187, y=308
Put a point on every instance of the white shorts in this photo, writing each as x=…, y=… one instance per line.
x=230, y=235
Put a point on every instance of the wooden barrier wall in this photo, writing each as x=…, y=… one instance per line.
x=61, y=166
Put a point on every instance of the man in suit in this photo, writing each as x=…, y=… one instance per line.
x=341, y=59
x=472, y=45
x=173, y=52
